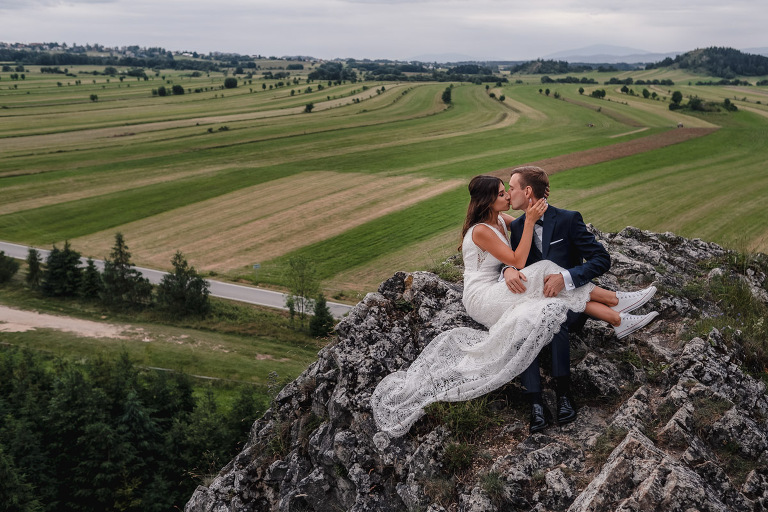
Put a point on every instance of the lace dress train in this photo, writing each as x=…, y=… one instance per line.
x=465, y=363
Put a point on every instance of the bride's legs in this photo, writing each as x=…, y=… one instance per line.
x=602, y=312
x=604, y=296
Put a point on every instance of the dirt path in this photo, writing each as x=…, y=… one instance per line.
x=612, y=152
x=16, y=320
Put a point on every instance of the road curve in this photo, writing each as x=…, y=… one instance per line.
x=236, y=292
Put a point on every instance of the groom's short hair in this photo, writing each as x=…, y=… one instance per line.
x=534, y=177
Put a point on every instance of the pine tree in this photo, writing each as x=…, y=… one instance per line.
x=8, y=267
x=322, y=323
x=90, y=284
x=62, y=273
x=34, y=268
x=16, y=494
x=124, y=286
x=184, y=291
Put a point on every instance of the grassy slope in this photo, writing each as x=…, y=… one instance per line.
x=105, y=170
x=235, y=345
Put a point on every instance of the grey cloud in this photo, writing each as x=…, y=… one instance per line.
x=31, y=4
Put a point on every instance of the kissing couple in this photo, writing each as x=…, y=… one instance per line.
x=527, y=280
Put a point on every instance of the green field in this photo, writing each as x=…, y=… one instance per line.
x=234, y=346
x=372, y=181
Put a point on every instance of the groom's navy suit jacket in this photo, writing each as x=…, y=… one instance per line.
x=566, y=241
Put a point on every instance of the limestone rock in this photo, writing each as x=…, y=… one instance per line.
x=691, y=437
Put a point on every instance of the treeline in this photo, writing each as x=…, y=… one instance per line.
x=726, y=82
x=718, y=61
x=417, y=72
x=181, y=293
x=630, y=81
x=699, y=105
x=333, y=72
x=52, y=59
x=549, y=67
x=106, y=435
x=568, y=80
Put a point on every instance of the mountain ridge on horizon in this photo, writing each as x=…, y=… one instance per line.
x=593, y=54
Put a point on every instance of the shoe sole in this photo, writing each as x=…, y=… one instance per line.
x=637, y=327
x=638, y=304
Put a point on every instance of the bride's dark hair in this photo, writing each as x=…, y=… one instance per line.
x=483, y=190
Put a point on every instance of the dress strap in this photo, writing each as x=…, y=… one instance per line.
x=504, y=237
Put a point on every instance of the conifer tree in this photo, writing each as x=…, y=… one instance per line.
x=322, y=323
x=35, y=269
x=62, y=272
x=124, y=286
x=183, y=291
x=90, y=284
x=8, y=267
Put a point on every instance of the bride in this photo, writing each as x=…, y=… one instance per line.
x=465, y=363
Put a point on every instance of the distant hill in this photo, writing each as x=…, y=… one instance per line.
x=609, y=54
x=721, y=62
x=443, y=58
x=757, y=51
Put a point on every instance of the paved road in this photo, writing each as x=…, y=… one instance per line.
x=236, y=292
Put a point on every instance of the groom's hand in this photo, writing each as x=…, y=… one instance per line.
x=553, y=284
x=514, y=279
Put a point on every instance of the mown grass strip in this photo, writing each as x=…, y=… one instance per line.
x=385, y=235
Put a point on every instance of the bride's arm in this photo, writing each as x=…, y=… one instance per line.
x=487, y=240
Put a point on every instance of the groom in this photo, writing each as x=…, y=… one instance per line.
x=562, y=237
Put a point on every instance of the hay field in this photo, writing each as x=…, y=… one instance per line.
x=265, y=221
x=372, y=181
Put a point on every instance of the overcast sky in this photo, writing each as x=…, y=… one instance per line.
x=395, y=29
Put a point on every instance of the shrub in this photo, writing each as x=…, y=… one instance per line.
x=458, y=457
x=447, y=96
x=90, y=283
x=322, y=323
x=124, y=286
x=62, y=273
x=183, y=291
x=8, y=267
x=34, y=270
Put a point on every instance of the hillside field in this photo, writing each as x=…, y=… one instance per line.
x=371, y=181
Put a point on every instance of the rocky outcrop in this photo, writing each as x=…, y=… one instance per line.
x=667, y=421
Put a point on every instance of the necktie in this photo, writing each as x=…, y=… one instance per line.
x=538, y=233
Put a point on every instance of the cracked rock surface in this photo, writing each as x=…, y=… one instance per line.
x=667, y=421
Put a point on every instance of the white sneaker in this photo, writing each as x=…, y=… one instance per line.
x=631, y=323
x=630, y=301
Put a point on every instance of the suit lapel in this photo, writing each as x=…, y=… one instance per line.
x=550, y=219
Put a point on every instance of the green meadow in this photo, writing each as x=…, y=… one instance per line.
x=371, y=181
x=329, y=184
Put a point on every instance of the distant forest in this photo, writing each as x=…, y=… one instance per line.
x=30, y=57
x=107, y=435
x=726, y=63
x=721, y=62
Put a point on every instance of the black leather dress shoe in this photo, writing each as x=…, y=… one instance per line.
x=566, y=413
x=539, y=418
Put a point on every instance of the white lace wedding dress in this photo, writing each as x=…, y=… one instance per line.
x=465, y=363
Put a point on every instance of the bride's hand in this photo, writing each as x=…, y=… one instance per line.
x=514, y=279
x=536, y=210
